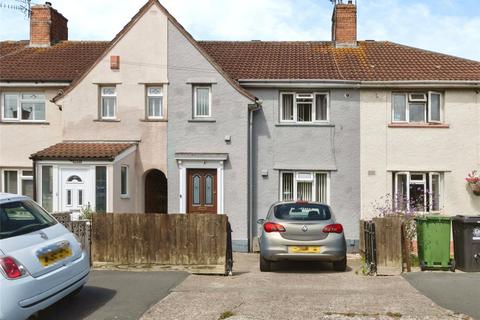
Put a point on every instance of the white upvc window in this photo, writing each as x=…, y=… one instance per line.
x=417, y=107
x=124, y=181
x=418, y=191
x=304, y=185
x=108, y=102
x=23, y=106
x=155, y=102
x=304, y=107
x=18, y=181
x=202, y=101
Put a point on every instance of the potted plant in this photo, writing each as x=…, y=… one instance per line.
x=474, y=182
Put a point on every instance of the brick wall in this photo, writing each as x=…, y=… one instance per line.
x=47, y=26
x=344, y=25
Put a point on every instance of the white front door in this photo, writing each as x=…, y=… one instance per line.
x=74, y=190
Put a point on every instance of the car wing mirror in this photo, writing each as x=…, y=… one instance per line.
x=260, y=221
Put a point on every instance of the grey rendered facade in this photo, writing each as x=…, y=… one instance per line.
x=198, y=143
x=333, y=147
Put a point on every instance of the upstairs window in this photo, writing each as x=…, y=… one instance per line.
x=23, y=107
x=202, y=101
x=108, y=102
x=304, y=107
x=154, y=102
x=417, y=107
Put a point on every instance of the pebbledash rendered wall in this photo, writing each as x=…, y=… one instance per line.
x=186, y=65
x=333, y=147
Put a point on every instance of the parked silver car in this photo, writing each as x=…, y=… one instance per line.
x=304, y=231
x=40, y=260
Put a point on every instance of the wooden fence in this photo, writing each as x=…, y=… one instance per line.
x=198, y=241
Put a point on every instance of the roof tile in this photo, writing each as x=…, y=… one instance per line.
x=82, y=151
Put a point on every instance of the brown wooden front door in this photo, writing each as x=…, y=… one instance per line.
x=202, y=191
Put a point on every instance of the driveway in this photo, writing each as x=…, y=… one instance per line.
x=115, y=295
x=457, y=291
x=295, y=291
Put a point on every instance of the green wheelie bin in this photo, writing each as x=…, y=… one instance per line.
x=433, y=238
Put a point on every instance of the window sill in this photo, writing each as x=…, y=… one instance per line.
x=153, y=120
x=202, y=120
x=25, y=122
x=106, y=120
x=124, y=196
x=310, y=124
x=419, y=125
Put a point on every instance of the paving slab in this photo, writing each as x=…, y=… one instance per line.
x=295, y=291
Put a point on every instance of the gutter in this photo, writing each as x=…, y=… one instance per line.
x=251, y=109
x=326, y=83
x=33, y=84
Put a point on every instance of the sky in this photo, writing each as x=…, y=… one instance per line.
x=447, y=26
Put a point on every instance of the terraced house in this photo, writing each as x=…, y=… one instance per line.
x=156, y=121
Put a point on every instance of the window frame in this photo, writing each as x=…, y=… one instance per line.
x=427, y=102
x=313, y=110
x=427, y=184
x=21, y=177
x=147, y=102
x=195, y=93
x=19, y=100
x=127, y=189
x=313, y=181
x=102, y=95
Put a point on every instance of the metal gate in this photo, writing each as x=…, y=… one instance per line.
x=370, y=247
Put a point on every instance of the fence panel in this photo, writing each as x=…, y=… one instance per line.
x=196, y=240
x=388, y=232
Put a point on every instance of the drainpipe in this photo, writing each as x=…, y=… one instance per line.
x=251, y=109
x=35, y=180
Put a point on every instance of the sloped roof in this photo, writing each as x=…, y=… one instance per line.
x=369, y=61
x=82, y=151
x=62, y=62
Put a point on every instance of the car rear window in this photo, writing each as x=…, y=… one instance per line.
x=302, y=212
x=21, y=217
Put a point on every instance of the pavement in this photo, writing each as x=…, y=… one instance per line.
x=457, y=291
x=115, y=295
x=296, y=291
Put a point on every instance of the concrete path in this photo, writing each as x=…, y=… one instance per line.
x=295, y=291
x=457, y=291
x=115, y=295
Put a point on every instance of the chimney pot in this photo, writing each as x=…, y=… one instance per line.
x=344, y=24
x=48, y=3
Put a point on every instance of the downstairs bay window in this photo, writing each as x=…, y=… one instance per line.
x=18, y=181
x=418, y=191
x=302, y=185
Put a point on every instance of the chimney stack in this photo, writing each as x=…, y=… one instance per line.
x=344, y=24
x=47, y=26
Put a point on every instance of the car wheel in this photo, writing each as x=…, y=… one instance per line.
x=340, y=265
x=265, y=265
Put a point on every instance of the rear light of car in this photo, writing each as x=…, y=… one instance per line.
x=273, y=227
x=333, y=228
x=12, y=268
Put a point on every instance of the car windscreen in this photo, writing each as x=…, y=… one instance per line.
x=21, y=217
x=302, y=212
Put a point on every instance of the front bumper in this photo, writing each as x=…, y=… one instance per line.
x=275, y=248
x=17, y=302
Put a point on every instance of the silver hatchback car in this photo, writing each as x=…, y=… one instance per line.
x=302, y=231
x=40, y=260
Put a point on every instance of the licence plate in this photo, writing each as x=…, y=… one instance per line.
x=55, y=253
x=304, y=249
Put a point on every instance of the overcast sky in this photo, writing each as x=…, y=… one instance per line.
x=448, y=26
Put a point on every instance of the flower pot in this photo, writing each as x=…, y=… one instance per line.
x=475, y=188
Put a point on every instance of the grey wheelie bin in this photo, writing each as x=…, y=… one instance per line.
x=466, y=243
